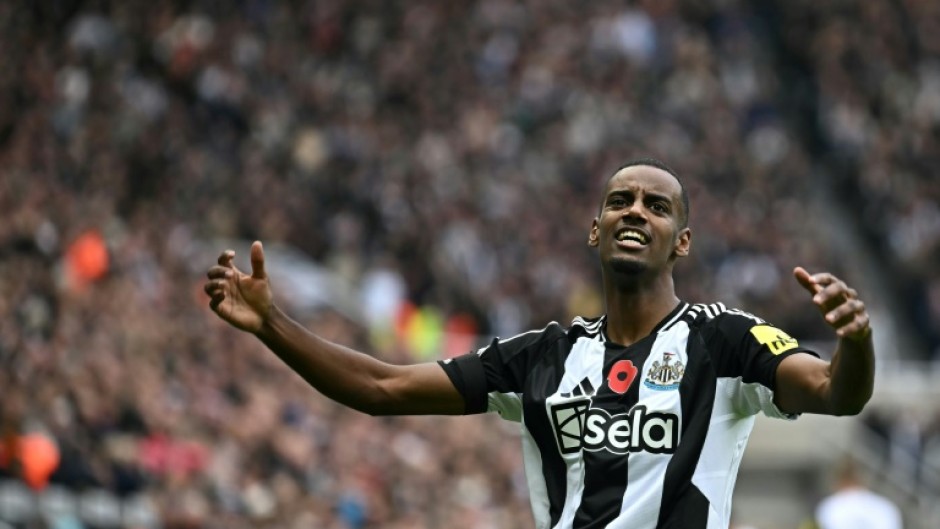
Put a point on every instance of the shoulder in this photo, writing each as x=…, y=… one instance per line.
x=886, y=506
x=535, y=338
x=739, y=328
x=588, y=327
x=718, y=321
x=720, y=317
x=527, y=346
x=580, y=327
x=722, y=313
x=554, y=332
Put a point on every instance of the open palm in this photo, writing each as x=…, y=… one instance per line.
x=243, y=300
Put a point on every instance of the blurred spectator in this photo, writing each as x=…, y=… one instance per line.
x=877, y=68
x=853, y=506
x=421, y=151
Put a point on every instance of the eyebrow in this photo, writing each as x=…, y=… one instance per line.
x=647, y=195
x=657, y=196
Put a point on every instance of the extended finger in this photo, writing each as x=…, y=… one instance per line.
x=257, y=260
x=806, y=280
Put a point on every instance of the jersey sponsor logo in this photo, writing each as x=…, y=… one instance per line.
x=568, y=421
x=665, y=375
x=775, y=339
x=578, y=427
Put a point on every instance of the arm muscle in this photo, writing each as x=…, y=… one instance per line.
x=358, y=380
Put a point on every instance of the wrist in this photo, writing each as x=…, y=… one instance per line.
x=269, y=322
x=860, y=336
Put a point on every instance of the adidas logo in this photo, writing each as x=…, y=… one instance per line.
x=583, y=388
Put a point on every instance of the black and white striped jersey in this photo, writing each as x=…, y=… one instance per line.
x=648, y=436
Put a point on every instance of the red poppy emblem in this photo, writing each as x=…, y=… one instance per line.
x=621, y=376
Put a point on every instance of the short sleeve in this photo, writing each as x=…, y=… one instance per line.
x=749, y=350
x=492, y=378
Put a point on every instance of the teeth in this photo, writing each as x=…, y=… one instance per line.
x=632, y=235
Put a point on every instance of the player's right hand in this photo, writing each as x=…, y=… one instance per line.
x=241, y=299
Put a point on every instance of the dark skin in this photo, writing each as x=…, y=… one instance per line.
x=637, y=277
x=640, y=233
x=639, y=292
x=350, y=377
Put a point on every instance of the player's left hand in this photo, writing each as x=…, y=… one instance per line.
x=838, y=302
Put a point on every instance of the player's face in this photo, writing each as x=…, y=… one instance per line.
x=639, y=226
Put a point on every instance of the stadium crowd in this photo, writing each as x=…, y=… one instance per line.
x=444, y=158
x=877, y=70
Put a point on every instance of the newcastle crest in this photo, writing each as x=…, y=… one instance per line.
x=665, y=375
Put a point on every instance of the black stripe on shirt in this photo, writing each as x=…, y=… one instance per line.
x=545, y=382
x=688, y=508
x=605, y=473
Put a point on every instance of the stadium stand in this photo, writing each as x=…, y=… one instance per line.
x=420, y=164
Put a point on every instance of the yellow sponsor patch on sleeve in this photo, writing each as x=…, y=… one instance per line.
x=775, y=339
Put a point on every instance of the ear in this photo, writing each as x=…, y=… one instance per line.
x=593, y=241
x=683, y=242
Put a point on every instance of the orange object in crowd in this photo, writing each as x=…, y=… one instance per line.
x=87, y=258
x=36, y=455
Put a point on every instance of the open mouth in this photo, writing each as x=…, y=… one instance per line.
x=633, y=235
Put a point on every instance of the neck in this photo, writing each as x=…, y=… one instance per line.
x=634, y=308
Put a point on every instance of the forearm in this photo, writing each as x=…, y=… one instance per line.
x=349, y=377
x=844, y=385
x=852, y=375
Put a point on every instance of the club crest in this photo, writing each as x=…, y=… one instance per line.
x=665, y=375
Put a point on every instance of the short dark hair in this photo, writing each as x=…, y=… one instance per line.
x=659, y=164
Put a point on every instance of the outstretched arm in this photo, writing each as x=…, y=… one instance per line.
x=349, y=377
x=844, y=385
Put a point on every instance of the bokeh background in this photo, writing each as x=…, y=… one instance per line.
x=424, y=174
